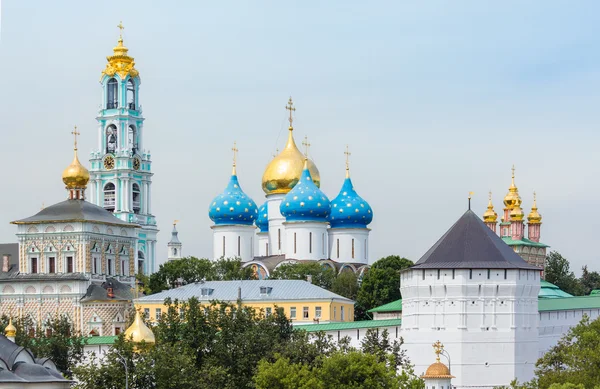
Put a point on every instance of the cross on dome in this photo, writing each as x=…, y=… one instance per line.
x=121, y=28
x=348, y=154
x=438, y=348
x=75, y=133
x=235, y=151
x=306, y=145
x=290, y=107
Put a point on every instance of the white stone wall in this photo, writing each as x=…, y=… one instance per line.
x=276, y=228
x=349, y=245
x=306, y=240
x=555, y=324
x=233, y=242
x=262, y=246
x=487, y=321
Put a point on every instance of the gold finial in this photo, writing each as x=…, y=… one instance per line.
x=10, y=331
x=175, y=222
x=490, y=216
x=235, y=150
x=75, y=133
x=121, y=28
x=290, y=107
x=470, y=195
x=490, y=196
x=348, y=154
x=534, y=216
x=513, y=175
x=438, y=348
x=534, y=199
x=306, y=146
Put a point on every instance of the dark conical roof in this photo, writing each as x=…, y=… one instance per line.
x=471, y=244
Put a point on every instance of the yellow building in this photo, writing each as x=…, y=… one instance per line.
x=302, y=302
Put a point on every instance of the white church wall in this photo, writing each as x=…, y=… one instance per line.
x=555, y=324
x=276, y=228
x=349, y=245
x=262, y=245
x=306, y=240
x=235, y=241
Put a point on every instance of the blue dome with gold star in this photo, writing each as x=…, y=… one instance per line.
x=262, y=221
x=305, y=202
x=348, y=209
x=233, y=206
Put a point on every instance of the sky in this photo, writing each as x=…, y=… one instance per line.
x=435, y=99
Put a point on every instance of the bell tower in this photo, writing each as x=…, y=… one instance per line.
x=121, y=168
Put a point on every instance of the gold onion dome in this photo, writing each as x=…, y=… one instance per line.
x=139, y=332
x=437, y=369
x=517, y=213
x=490, y=216
x=76, y=176
x=284, y=171
x=534, y=216
x=120, y=62
x=512, y=198
x=10, y=330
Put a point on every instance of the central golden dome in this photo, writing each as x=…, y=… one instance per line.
x=76, y=176
x=284, y=171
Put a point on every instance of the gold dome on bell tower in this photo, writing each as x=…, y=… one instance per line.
x=284, y=171
x=534, y=216
x=490, y=216
x=76, y=176
x=512, y=198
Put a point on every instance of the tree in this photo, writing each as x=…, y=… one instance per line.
x=381, y=284
x=574, y=360
x=321, y=275
x=346, y=284
x=557, y=271
x=56, y=339
x=589, y=280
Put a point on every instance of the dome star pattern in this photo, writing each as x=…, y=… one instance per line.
x=349, y=210
x=262, y=221
x=233, y=206
x=305, y=202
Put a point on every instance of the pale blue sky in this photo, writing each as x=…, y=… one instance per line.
x=435, y=99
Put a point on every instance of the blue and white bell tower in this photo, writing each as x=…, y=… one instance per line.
x=121, y=174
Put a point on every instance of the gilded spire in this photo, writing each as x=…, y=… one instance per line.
x=534, y=216
x=235, y=151
x=490, y=216
x=75, y=176
x=512, y=198
x=347, y=153
x=290, y=107
x=120, y=62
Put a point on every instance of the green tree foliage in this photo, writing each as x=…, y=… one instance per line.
x=56, y=340
x=346, y=284
x=321, y=275
x=191, y=269
x=558, y=272
x=589, y=280
x=381, y=284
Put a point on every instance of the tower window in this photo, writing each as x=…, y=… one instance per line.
x=135, y=197
x=109, y=197
x=174, y=252
x=123, y=268
x=69, y=264
x=52, y=265
x=132, y=141
x=131, y=94
x=112, y=88
x=111, y=138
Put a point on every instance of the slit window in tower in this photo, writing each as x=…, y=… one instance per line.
x=294, y=243
x=223, y=247
x=112, y=88
x=470, y=274
x=135, y=198
x=310, y=242
x=489, y=273
x=95, y=265
x=52, y=265
x=239, y=245
x=338, y=247
x=352, y=248
x=438, y=275
x=453, y=271
x=130, y=94
x=505, y=273
x=69, y=264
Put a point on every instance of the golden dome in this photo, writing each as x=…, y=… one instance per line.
x=10, y=330
x=138, y=331
x=490, y=216
x=120, y=62
x=517, y=213
x=76, y=176
x=512, y=198
x=437, y=370
x=534, y=216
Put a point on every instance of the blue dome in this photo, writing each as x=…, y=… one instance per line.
x=233, y=206
x=305, y=202
x=349, y=210
x=262, y=221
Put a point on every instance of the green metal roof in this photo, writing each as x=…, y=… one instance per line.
x=595, y=292
x=523, y=242
x=394, y=306
x=97, y=340
x=568, y=303
x=349, y=325
x=549, y=290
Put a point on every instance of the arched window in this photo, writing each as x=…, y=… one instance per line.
x=132, y=139
x=111, y=138
x=136, y=197
x=109, y=197
x=130, y=94
x=141, y=262
x=112, y=99
x=174, y=251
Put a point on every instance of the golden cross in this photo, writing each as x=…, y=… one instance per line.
x=348, y=154
x=306, y=145
x=75, y=133
x=235, y=150
x=513, y=171
x=290, y=107
x=534, y=196
x=438, y=348
x=490, y=195
x=120, y=27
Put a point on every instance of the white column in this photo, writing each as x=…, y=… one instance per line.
x=126, y=194
x=145, y=211
x=99, y=197
x=149, y=200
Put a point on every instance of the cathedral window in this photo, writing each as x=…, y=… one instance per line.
x=69, y=264
x=135, y=197
x=352, y=248
x=223, y=247
x=453, y=273
x=52, y=265
x=111, y=139
x=123, y=267
x=112, y=99
x=310, y=242
x=438, y=275
x=109, y=197
x=131, y=94
x=294, y=243
x=279, y=239
x=470, y=274
x=95, y=265
x=338, y=247
x=174, y=252
x=239, y=246
x=34, y=268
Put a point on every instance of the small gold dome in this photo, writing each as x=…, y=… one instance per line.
x=490, y=216
x=437, y=370
x=517, y=213
x=76, y=176
x=534, y=216
x=138, y=331
x=284, y=171
x=10, y=330
x=512, y=198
